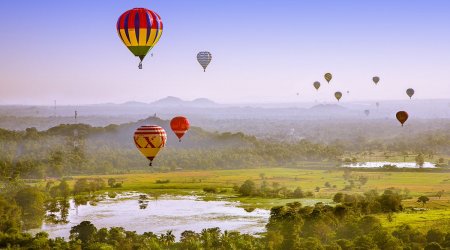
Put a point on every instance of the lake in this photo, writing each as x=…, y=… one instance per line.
x=176, y=213
x=379, y=164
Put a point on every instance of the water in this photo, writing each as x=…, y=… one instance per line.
x=379, y=164
x=176, y=213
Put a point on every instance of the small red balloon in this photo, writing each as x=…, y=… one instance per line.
x=180, y=125
x=402, y=116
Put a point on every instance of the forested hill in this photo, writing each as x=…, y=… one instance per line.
x=82, y=149
x=122, y=135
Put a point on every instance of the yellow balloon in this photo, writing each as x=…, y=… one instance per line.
x=328, y=77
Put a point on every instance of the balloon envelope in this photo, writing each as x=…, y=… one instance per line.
x=204, y=58
x=316, y=85
x=149, y=140
x=140, y=30
x=402, y=116
x=328, y=77
x=180, y=125
x=410, y=92
x=367, y=112
x=376, y=79
x=338, y=95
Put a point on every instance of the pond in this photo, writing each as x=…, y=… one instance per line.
x=176, y=213
x=380, y=164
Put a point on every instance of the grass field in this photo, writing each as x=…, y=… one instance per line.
x=436, y=213
x=194, y=181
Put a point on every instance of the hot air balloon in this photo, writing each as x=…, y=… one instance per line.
x=367, y=112
x=140, y=30
x=378, y=104
x=376, y=79
x=402, y=116
x=179, y=125
x=316, y=85
x=328, y=77
x=150, y=140
x=338, y=95
x=204, y=58
x=410, y=92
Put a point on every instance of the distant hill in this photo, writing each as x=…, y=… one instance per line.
x=172, y=101
x=134, y=103
x=328, y=107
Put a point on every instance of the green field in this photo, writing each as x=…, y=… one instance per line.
x=418, y=183
x=437, y=211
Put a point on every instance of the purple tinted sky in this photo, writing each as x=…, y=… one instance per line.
x=263, y=51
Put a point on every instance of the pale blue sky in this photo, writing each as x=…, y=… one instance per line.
x=263, y=51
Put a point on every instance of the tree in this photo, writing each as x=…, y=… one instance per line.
x=31, y=201
x=85, y=231
x=248, y=188
x=420, y=160
x=111, y=182
x=298, y=193
x=423, y=199
x=439, y=194
x=390, y=201
x=64, y=189
x=10, y=215
x=363, y=180
x=168, y=238
x=433, y=246
x=81, y=186
x=338, y=197
x=435, y=235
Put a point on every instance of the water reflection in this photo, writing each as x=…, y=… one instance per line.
x=142, y=213
x=388, y=165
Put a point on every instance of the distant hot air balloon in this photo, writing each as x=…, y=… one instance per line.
x=402, y=116
x=367, y=112
x=180, y=125
x=378, y=104
x=298, y=94
x=338, y=95
x=316, y=85
x=140, y=30
x=204, y=58
x=410, y=92
x=150, y=140
x=348, y=92
x=376, y=79
x=328, y=77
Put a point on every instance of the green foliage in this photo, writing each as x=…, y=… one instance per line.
x=423, y=199
x=10, y=216
x=248, y=188
x=420, y=160
x=212, y=190
x=31, y=201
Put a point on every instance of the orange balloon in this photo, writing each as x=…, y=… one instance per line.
x=180, y=125
x=402, y=117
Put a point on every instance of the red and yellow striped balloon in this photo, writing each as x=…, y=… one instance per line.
x=140, y=30
x=150, y=140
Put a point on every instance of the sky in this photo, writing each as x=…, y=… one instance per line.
x=263, y=51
